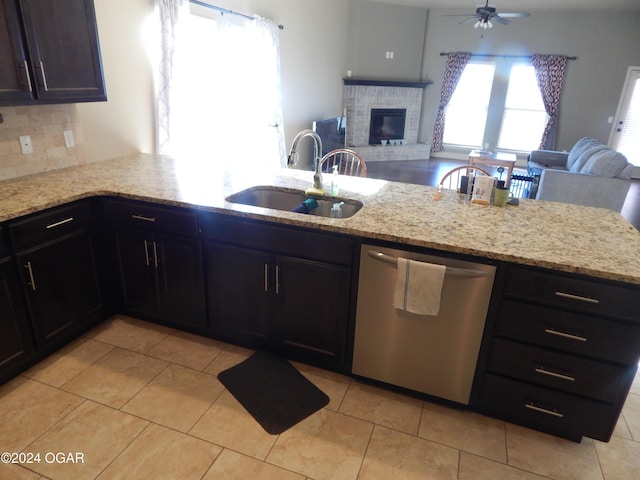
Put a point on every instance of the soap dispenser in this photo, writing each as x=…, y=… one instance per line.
x=334, y=181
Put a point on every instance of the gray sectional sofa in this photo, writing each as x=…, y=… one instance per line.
x=590, y=174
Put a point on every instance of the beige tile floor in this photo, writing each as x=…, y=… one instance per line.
x=132, y=400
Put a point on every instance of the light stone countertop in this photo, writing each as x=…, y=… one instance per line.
x=569, y=238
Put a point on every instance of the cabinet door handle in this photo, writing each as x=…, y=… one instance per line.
x=551, y=373
x=570, y=336
x=266, y=277
x=143, y=218
x=155, y=254
x=26, y=71
x=277, y=280
x=44, y=77
x=577, y=297
x=553, y=413
x=61, y=222
x=146, y=252
x=32, y=281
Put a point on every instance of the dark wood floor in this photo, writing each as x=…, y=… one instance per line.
x=429, y=172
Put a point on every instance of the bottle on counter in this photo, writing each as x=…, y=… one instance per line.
x=334, y=181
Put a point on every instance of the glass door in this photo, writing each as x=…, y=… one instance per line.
x=625, y=135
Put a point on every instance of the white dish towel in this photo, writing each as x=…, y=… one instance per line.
x=418, y=287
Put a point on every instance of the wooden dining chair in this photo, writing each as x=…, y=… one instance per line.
x=348, y=162
x=451, y=179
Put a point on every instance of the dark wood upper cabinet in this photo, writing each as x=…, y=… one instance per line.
x=49, y=52
x=14, y=82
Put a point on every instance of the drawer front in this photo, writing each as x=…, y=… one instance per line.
x=569, y=373
x=574, y=293
x=570, y=332
x=49, y=225
x=279, y=240
x=548, y=410
x=165, y=219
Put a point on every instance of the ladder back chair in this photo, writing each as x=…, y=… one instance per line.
x=348, y=162
x=451, y=179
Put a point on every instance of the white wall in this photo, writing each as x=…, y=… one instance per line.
x=124, y=124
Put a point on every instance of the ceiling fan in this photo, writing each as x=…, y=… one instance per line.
x=485, y=14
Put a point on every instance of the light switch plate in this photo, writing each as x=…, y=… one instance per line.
x=69, y=141
x=25, y=144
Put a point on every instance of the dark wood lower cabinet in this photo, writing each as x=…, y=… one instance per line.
x=61, y=286
x=240, y=294
x=296, y=306
x=313, y=309
x=161, y=276
x=16, y=344
x=559, y=352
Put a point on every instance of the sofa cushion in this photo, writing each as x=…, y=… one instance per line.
x=582, y=145
x=605, y=163
x=585, y=156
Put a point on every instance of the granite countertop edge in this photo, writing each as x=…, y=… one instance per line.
x=392, y=212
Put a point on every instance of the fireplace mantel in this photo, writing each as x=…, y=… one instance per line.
x=368, y=82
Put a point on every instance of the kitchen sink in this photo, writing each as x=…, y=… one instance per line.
x=286, y=199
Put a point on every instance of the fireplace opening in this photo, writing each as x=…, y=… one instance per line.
x=386, y=124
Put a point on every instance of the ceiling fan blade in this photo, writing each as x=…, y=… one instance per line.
x=472, y=19
x=501, y=20
x=514, y=15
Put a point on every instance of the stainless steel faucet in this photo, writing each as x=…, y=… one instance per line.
x=317, y=176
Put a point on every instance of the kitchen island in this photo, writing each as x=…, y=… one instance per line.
x=562, y=334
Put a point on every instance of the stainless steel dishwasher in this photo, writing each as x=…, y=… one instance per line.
x=436, y=355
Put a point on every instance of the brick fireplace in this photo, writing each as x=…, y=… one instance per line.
x=362, y=97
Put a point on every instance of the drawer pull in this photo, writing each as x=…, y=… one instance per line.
x=577, y=297
x=143, y=218
x=32, y=282
x=570, y=336
x=550, y=373
x=553, y=413
x=61, y=222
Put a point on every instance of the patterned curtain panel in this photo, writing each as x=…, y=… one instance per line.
x=170, y=13
x=456, y=61
x=550, y=70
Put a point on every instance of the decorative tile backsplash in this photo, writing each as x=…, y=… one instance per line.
x=45, y=124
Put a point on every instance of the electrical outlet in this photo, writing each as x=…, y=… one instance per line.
x=69, y=141
x=25, y=144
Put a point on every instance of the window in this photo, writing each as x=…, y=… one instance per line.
x=466, y=113
x=524, y=117
x=225, y=92
x=497, y=104
x=624, y=136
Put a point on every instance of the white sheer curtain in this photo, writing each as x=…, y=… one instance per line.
x=170, y=11
x=219, y=94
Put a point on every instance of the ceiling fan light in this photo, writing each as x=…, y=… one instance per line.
x=477, y=24
x=489, y=24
